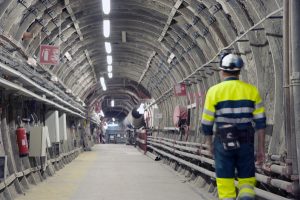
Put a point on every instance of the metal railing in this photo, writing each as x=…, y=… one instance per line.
x=196, y=157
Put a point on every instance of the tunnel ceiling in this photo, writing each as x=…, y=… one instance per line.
x=166, y=41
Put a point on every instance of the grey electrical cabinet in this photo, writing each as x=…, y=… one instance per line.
x=48, y=142
x=52, y=122
x=63, y=127
x=38, y=141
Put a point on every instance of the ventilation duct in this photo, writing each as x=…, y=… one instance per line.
x=134, y=119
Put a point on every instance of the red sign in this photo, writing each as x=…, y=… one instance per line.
x=49, y=55
x=180, y=89
x=97, y=107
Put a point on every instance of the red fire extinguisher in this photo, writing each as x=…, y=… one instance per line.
x=22, y=141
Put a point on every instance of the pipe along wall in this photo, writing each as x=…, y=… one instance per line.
x=23, y=171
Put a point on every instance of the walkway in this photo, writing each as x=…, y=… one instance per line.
x=115, y=172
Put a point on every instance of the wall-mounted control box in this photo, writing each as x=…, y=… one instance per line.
x=52, y=122
x=38, y=141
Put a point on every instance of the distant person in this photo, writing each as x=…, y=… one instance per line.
x=233, y=105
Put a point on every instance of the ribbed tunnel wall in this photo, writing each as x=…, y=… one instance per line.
x=195, y=31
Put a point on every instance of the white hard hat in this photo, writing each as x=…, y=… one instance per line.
x=231, y=63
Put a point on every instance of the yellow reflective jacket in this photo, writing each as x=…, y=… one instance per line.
x=233, y=102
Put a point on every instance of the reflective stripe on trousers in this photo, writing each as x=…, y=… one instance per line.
x=246, y=188
x=241, y=159
x=227, y=191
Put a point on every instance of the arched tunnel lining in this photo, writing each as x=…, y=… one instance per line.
x=194, y=31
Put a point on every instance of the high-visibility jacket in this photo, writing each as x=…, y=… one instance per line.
x=233, y=102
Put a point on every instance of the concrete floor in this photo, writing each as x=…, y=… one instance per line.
x=113, y=172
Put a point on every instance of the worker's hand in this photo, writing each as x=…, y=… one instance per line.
x=210, y=148
x=260, y=158
x=260, y=154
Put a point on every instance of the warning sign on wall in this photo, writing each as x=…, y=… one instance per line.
x=49, y=55
x=180, y=89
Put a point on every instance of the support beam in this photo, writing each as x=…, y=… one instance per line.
x=290, y=143
x=295, y=75
x=225, y=48
x=170, y=18
x=91, y=63
x=68, y=6
x=147, y=66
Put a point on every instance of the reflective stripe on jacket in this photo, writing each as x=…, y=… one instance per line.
x=233, y=102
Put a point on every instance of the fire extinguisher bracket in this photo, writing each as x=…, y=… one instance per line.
x=22, y=142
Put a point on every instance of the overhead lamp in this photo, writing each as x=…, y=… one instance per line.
x=108, y=47
x=171, y=57
x=113, y=119
x=112, y=103
x=109, y=60
x=106, y=28
x=102, y=82
x=106, y=6
x=124, y=36
x=68, y=56
x=110, y=75
x=109, y=68
x=104, y=88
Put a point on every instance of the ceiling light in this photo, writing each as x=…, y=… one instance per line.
x=108, y=47
x=110, y=75
x=112, y=103
x=68, y=56
x=124, y=36
x=171, y=57
x=109, y=60
x=109, y=68
x=113, y=119
x=106, y=28
x=102, y=81
x=106, y=6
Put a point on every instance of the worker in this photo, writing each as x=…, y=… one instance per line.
x=232, y=106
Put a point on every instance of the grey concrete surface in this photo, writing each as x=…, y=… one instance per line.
x=112, y=172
